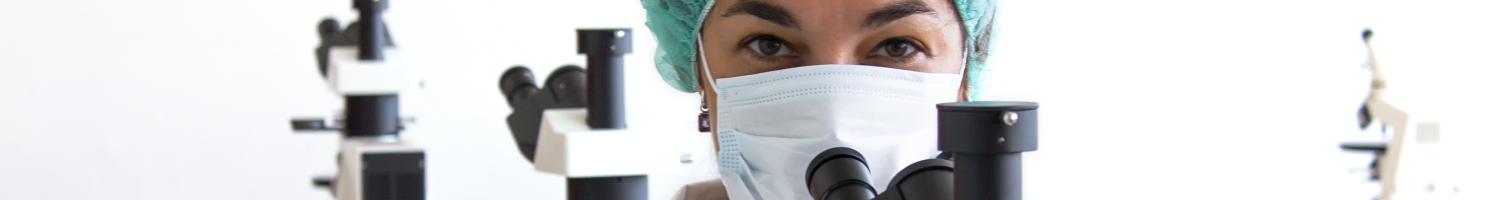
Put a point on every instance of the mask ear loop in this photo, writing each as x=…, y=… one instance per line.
x=708, y=76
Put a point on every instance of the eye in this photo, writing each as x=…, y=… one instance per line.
x=897, y=48
x=768, y=46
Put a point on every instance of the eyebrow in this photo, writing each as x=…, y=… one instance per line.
x=775, y=14
x=896, y=11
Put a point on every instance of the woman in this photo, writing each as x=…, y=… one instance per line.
x=783, y=80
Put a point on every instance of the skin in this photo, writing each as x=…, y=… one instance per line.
x=744, y=37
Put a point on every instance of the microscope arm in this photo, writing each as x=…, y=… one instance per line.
x=1409, y=166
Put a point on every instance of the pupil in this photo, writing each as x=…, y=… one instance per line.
x=769, y=47
x=896, y=49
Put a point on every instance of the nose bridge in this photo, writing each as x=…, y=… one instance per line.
x=831, y=50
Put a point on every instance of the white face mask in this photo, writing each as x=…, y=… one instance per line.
x=771, y=124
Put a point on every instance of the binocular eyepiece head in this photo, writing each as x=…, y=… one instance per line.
x=842, y=173
x=564, y=88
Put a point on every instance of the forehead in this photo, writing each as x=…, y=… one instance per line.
x=824, y=12
x=812, y=7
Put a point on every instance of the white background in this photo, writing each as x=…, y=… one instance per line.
x=183, y=99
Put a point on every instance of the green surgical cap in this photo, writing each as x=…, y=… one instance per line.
x=676, y=24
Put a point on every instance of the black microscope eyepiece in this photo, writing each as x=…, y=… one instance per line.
x=839, y=174
x=930, y=179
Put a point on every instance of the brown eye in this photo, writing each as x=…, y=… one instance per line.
x=899, y=48
x=768, y=46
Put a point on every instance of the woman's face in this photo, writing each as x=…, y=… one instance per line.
x=744, y=37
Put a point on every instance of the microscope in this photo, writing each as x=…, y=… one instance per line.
x=573, y=124
x=1407, y=160
x=982, y=143
x=359, y=62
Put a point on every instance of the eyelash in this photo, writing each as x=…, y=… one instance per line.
x=752, y=43
x=880, y=50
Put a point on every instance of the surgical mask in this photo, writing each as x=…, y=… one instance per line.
x=770, y=125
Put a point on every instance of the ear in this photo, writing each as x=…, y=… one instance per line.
x=709, y=101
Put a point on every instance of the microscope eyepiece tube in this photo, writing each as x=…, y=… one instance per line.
x=839, y=173
x=930, y=179
x=518, y=85
x=372, y=27
x=987, y=139
x=605, y=49
x=568, y=86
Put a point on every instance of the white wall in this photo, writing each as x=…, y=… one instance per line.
x=164, y=99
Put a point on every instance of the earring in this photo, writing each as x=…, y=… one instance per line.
x=703, y=123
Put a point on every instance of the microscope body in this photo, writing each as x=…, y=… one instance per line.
x=573, y=123
x=360, y=64
x=374, y=162
x=1409, y=155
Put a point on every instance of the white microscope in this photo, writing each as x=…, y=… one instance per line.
x=573, y=124
x=358, y=62
x=1408, y=157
